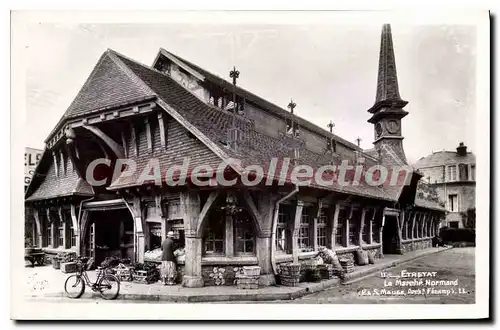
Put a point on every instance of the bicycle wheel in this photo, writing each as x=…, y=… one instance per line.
x=109, y=286
x=74, y=286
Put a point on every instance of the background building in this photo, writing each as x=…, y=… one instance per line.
x=453, y=174
x=31, y=158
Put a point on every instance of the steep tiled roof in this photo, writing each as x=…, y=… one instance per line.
x=66, y=183
x=106, y=86
x=441, y=158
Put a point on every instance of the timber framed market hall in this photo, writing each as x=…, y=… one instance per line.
x=175, y=109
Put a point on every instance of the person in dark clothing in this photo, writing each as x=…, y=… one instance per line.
x=168, y=266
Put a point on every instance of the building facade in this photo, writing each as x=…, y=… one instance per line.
x=174, y=110
x=453, y=174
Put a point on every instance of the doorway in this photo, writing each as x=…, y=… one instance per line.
x=390, y=235
x=110, y=234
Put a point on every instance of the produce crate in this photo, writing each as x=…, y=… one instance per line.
x=247, y=282
x=289, y=281
x=347, y=264
x=69, y=267
x=124, y=274
x=139, y=276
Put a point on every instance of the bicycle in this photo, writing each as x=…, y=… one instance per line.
x=75, y=284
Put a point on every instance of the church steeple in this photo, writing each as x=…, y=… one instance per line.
x=387, y=111
x=387, y=97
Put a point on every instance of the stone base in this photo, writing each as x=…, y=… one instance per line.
x=267, y=280
x=192, y=281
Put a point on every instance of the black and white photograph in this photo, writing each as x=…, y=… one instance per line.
x=307, y=161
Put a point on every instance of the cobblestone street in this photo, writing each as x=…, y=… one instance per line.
x=455, y=264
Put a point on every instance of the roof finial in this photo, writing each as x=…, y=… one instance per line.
x=358, y=141
x=330, y=126
x=291, y=105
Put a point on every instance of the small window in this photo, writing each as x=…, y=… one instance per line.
x=473, y=172
x=305, y=243
x=453, y=203
x=60, y=234
x=282, y=231
x=244, y=234
x=341, y=222
x=321, y=233
x=365, y=235
x=214, y=235
x=453, y=224
x=452, y=173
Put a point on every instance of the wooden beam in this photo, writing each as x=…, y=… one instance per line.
x=149, y=138
x=296, y=231
x=335, y=221
x=56, y=167
x=316, y=213
x=124, y=143
x=133, y=138
x=163, y=130
x=361, y=226
x=253, y=210
x=115, y=147
x=204, y=211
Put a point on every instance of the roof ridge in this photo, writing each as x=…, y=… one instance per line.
x=323, y=131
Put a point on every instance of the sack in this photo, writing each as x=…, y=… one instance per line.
x=371, y=258
x=361, y=257
x=327, y=255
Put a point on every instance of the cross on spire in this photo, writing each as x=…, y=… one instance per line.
x=358, y=140
x=235, y=74
x=291, y=105
x=330, y=126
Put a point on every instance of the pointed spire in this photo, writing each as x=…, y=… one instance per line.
x=387, y=83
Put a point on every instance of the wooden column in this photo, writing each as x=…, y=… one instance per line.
x=56, y=166
x=361, y=226
x=76, y=228
x=335, y=221
x=266, y=203
x=229, y=236
x=375, y=210
x=413, y=221
x=381, y=234
x=38, y=227
x=190, y=207
x=296, y=231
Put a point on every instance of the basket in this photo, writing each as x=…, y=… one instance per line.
x=251, y=270
x=290, y=274
x=326, y=271
x=124, y=274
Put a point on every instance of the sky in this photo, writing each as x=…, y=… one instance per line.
x=330, y=71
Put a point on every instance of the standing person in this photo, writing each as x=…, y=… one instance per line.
x=168, y=267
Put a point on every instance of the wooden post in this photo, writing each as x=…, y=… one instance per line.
x=149, y=138
x=265, y=207
x=413, y=221
x=229, y=236
x=381, y=233
x=362, y=227
x=38, y=227
x=335, y=220
x=372, y=220
x=124, y=143
x=163, y=131
x=133, y=139
x=190, y=206
x=296, y=231
x=56, y=166
x=76, y=228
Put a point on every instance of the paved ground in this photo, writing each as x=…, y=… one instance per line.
x=455, y=264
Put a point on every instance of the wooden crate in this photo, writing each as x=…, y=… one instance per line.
x=139, y=276
x=246, y=282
